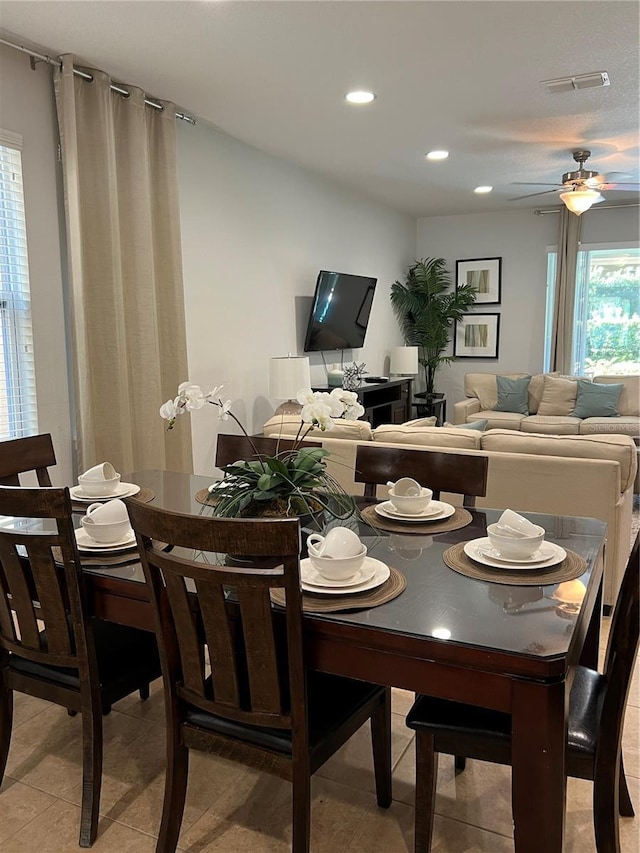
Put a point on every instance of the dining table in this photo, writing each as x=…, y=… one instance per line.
x=508, y=648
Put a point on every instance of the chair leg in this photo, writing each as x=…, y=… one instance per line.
x=625, y=806
x=301, y=807
x=460, y=762
x=426, y=780
x=144, y=692
x=381, y=745
x=91, y=774
x=175, y=792
x=6, y=722
x=605, y=809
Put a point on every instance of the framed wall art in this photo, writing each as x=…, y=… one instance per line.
x=477, y=336
x=484, y=275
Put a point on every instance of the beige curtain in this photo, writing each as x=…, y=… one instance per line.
x=125, y=272
x=569, y=232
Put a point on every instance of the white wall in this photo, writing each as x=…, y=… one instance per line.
x=521, y=239
x=255, y=231
x=27, y=107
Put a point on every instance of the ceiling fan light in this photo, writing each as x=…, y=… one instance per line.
x=579, y=200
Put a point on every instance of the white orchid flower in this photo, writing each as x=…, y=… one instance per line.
x=317, y=413
x=305, y=396
x=224, y=409
x=214, y=395
x=349, y=399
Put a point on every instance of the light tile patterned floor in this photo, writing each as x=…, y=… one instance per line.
x=234, y=810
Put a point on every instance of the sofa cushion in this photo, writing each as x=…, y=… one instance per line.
x=551, y=424
x=629, y=402
x=420, y=422
x=428, y=436
x=623, y=425
x=498, y=420
x=290, y=424
x=558, y=396
x=597, y=399
x=513, y=395
x=536, y=387
x=619, y=448
x=480, y=425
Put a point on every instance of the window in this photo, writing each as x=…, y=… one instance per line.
x=18, y=413
x=606, y=324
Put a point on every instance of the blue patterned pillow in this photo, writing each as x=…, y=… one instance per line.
x=513, y=395
x=597, y=400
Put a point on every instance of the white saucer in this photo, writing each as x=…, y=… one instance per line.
x=124, y=490
x=312, y=577
x=481, y=551
x=86, y=543
x=381, y=572
x=436, y=511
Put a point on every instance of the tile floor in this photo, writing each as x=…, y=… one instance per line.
x=234, y=810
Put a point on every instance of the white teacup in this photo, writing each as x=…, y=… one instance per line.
x=338, y=568
x=100, y=480
x=411, y=504
x=108, y=522
x=339, y=542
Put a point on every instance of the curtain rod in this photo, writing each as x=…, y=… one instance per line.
x=89, y=77
x=543, y=211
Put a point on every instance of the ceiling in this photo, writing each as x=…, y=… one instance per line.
x=463, y=75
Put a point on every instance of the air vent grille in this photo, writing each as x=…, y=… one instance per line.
x=580, y=81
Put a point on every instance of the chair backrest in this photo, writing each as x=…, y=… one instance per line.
x=441, y=472
x=41, y=566
x=230, y=448
x=19, y=455
x=620, y=658
x=255, y=653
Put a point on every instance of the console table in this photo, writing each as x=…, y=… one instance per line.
x=384, y=402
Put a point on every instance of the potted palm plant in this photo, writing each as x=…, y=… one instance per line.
x=426, y=308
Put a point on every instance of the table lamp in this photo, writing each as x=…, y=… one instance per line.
x=287, y=376
x=404, y=361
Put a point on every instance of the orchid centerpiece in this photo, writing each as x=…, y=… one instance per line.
x=292, y=482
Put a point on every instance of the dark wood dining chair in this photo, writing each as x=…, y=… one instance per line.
x=50, y=647
x=441, y=472
x=230, y=448
x=260, y=706
x=19, y=455
x=596, y=718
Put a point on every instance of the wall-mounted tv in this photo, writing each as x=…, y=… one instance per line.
x=340, y=312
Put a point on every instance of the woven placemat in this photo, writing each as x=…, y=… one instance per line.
x=144, y=496
x=460, y=518
x=122, y=558
x=317, y=603
x=571, y=567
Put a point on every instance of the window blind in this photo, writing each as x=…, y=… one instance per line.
x=18, y=410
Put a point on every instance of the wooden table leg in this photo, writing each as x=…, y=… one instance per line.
x=538, y=766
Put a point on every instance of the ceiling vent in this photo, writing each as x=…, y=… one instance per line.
x=580, y=81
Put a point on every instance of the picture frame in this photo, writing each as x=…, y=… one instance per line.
x=477, y=336
x=484, y=275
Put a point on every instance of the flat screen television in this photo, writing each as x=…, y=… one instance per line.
x=340, y=312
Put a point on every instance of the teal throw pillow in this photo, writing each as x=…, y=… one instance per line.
x=597, y=400
x=479, y=425
x=513, y=395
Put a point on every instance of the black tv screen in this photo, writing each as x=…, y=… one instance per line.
x=340, y=312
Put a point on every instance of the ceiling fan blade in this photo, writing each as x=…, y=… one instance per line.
x=531, y=195
x=534, y=184
x=608, y=185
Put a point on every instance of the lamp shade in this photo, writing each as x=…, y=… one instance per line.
x=287, y=376
x=581, y=199
x=404, y=360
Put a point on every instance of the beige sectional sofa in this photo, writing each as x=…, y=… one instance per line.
x=588, y=476
x=550, y=406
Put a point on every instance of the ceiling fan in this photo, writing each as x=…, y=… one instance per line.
x=581, y=187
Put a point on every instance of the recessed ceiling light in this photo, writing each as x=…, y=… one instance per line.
x=360, y=97
x=481, y=190
x=437, y=155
